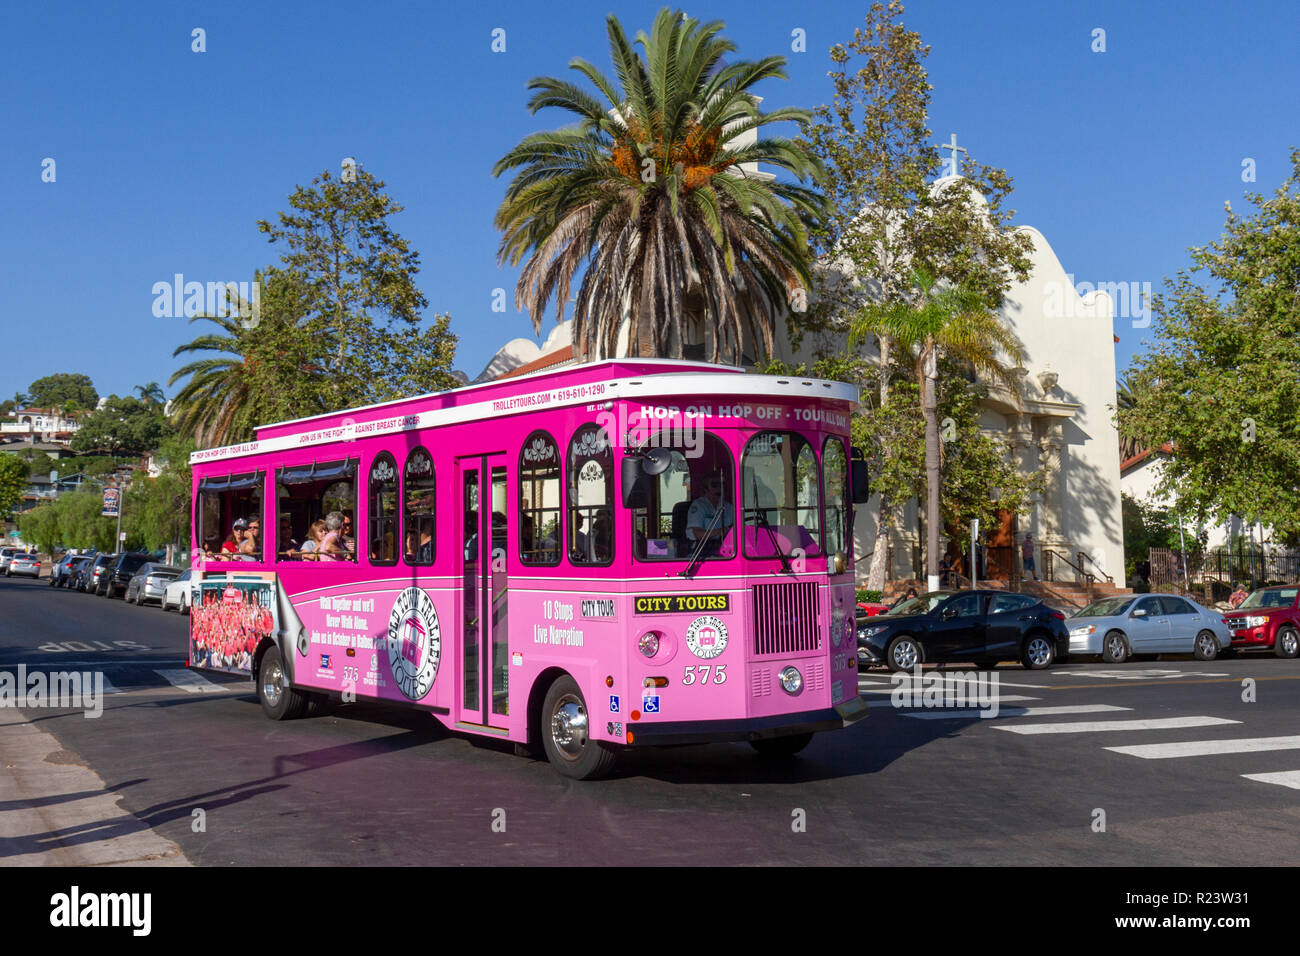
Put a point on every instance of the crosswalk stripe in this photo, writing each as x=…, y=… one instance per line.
x=1101, y=726
x=888, y=703
x=190, y=682
x=1283, y=778
x=1019, y=711
x=1205, y=748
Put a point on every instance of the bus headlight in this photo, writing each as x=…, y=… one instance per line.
x=648, y=645
x=791, y=680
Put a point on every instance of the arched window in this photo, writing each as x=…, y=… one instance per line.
x=539, y=501
x=383, y=510
x=835, y=471
x=590, y=497
x=417, y=508
x=780, y=485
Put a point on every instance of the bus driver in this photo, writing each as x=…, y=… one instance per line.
x=703, y=516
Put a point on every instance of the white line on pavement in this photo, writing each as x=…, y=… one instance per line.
x=1203, y=748
x=1099, y=726
x=1020, y=711
x=190, y=682
x=1001, y=700
x=1284, y=778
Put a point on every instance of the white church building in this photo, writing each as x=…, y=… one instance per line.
x=1063, y=424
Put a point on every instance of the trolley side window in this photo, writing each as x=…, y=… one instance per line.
x=381, y=513
x=689, y=505
x=590, y=520
x=835, y=464
x=418, y=507
x=539, y=501
x=779, y=484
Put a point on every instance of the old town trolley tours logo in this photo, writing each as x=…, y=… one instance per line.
x=414, y=643
x=706, y=637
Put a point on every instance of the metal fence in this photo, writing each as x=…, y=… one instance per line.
x=1213, y=574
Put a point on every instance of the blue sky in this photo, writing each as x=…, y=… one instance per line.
x=166, y=158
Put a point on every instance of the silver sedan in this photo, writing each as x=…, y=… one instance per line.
x=1116, y=628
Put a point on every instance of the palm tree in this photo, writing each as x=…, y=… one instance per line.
x=953, y=322
x=1128, y=395
x=651, y=192
x=151, y=394
x=215, y=405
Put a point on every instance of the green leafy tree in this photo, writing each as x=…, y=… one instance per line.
x=954, y=323
x=124, y=427
x=70, y=391
x=647, y=190
x=1221, y=381
x=81, y=524
x=40, y=527
x=157, y=510
x=355, y=294
x=887, y=220
x=13, y=480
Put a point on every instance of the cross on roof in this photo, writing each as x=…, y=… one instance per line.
x=954, y=169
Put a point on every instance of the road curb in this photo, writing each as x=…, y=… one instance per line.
x=56, y=811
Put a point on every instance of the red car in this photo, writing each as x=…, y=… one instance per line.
x=1269, y=618
x=871, y=609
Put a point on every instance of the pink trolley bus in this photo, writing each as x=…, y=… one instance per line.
x=613, y=555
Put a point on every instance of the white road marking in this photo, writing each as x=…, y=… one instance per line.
x=1283, y=778
x=1101, y=726
x=983, y=675
x=1001, y=700
x=1204, y=748
x=1020, y=711
x=190, y=682
x=1140, y=674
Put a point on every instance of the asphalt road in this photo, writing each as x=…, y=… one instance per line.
x=358, y=784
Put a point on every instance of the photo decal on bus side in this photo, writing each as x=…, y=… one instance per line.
x=414, y=643
x=229, y=618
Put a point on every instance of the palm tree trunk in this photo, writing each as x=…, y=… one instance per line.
x=884, y=520
x=930, y=408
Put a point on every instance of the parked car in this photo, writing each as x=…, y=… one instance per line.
x=115, y=578
x=149, y=582
x=59, y=569
x=25, y=563
x=96, y=571
x=872, y=608
x=177, y=594
x=72, y=578
x=6, y=555
x=981, y=626
x=1116, y=628
x=1268, y=618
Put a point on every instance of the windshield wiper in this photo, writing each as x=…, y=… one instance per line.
x=698, y=555
x=776, y=544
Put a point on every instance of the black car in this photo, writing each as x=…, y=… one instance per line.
x=93, y=572
x=982, y=627
x=118, y=575
x=72, y=574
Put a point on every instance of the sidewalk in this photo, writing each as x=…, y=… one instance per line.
x=56, y=811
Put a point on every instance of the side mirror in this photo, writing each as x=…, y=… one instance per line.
x=859, y=477
x=1140, y=612
x=633, y=482
x=947, y=614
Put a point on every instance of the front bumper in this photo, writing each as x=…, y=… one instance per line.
x=756, y=728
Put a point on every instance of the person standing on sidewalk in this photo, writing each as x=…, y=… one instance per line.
x=1027, y=556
